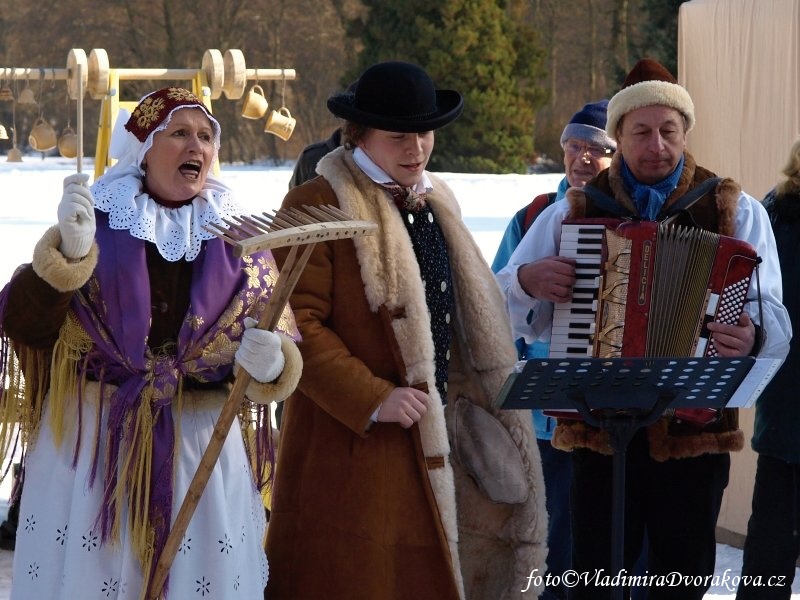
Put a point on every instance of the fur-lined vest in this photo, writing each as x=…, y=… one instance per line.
x=715, y=211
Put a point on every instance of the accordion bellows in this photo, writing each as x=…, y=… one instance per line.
x=675, y=280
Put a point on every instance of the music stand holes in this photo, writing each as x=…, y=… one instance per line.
x=548, y=382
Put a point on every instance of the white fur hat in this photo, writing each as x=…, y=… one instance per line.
x=649, y=83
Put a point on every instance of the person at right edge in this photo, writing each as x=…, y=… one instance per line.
x=772, y=545
x=677, y=470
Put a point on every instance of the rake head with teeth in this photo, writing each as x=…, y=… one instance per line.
x=289, y=227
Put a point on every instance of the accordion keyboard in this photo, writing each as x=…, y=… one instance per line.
x=574, y=321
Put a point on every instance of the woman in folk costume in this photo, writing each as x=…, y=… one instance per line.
x=379, y=492
x=125, y=328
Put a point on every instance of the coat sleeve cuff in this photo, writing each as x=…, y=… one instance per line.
x=54, y=268
x=285, y=384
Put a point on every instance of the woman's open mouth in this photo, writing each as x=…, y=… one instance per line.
x=191, y=169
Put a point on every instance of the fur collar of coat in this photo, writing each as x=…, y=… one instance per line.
x=391, y=277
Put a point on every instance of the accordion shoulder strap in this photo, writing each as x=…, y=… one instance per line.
x=605, y=202
x=684, y=202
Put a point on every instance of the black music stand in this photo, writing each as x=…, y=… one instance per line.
x=621, y=395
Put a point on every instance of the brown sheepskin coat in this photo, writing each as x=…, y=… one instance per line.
x=375, y=512
x=716, y=211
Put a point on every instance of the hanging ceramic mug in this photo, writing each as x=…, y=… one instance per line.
x=14, y=155
x=68, y=143
x=42, y=137
x=27, y=96
x=255, y=104
x=281, y=123
x=3, y=132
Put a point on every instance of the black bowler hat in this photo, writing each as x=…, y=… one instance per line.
x=397, y=96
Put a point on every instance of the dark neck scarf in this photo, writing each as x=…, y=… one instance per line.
x=405, y=197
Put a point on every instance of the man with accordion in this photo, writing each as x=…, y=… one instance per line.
x=677, y=468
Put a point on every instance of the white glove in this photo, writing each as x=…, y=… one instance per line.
x=76, y=217
x=260, y=353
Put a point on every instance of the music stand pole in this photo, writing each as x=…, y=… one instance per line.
x=621, y=427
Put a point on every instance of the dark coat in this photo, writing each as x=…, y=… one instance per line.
x=777, y=418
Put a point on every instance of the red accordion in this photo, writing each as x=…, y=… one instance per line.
x=646, y=289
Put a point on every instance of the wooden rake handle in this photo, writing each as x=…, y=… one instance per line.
x=287, y=279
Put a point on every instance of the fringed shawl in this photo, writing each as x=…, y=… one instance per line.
x=104, y=338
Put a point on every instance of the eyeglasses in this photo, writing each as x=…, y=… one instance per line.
x=578, y=149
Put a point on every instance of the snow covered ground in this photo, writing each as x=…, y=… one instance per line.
x=30, y=191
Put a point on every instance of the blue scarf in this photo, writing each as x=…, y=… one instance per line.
x=561, y=192
x=650, y=198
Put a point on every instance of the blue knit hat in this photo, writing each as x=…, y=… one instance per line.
x=589, y=124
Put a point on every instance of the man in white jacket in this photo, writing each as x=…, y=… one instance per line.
x=677, y=471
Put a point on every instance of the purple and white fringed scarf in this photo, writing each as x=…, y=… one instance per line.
x=113, y=308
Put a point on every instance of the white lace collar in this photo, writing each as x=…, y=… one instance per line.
x=176, y=232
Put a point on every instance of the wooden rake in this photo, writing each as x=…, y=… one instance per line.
x=248, y=234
